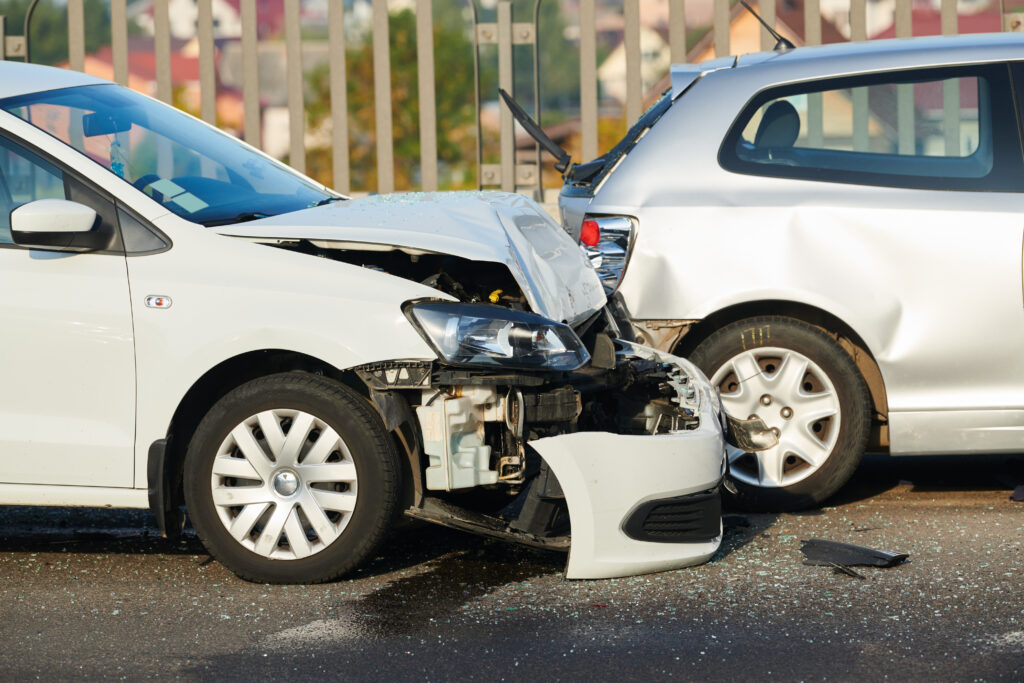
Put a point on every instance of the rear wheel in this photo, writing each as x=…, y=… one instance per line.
x=291, y=478
x=808, y=390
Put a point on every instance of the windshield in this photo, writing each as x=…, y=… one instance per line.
x=198, y=172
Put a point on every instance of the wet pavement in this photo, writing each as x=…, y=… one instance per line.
x=94, y=593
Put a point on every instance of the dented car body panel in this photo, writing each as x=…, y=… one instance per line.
x=481, y=226
x=883, y=263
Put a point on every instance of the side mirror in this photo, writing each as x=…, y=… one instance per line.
x=57, y=224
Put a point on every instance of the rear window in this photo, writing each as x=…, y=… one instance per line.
x=950, y=128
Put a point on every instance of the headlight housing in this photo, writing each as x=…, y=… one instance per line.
x=478, y=334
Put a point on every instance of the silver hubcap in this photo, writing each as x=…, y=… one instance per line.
x=795, y=398
x=284, y=484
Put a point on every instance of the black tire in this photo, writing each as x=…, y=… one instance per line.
x=750, y=339
x=376, y=485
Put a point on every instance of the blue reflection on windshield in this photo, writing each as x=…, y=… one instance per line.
x=198, y=172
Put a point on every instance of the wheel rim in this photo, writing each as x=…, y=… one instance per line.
x=794, y=397
x=284, y=484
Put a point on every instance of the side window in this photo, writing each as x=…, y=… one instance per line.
x=951, y=128
x=24, y=177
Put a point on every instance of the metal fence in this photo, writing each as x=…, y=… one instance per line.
x=504, y=32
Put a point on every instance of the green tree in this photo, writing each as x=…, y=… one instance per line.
x=49, y=31
x=453, y=65
x=559, y=62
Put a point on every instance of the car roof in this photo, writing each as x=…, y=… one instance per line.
x=895, y=53
x=18, y=78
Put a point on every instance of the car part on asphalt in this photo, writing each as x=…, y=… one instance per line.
x=820, y=552
x=807, y=390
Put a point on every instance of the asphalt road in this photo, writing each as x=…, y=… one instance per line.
x=95, y=594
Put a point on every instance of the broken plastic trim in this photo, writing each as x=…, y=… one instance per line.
x=445, y=514
x=751, y=435
x=822, y=553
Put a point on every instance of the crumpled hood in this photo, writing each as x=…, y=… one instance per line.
x=554, y=274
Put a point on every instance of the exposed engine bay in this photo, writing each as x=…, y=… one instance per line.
x=529, y=415
x=466, y=280
x=477, y=427
x=472, y=428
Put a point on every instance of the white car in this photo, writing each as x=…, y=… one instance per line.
x=834, y=235
x=188, y=323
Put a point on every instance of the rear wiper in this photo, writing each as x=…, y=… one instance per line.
x=563, y=162
x=239, y=218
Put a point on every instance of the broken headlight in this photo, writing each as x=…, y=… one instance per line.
x=477, y=334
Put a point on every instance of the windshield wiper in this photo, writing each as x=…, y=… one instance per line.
x=239, y=218
x=328, y=200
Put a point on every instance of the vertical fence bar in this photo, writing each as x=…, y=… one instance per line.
x=293, y=70
x=251, y=75
x=339, y=96
x=634, y=79
x=588, y=78
x=677, y=30
x=812, y=36
x=382, y=97
x=162, y=54
x=207, y=75
x=904, y=91
x=858, y=20
x=119, y=40
x=76, y=34
x=720, y=22
x=767, y=8
x=859, y=32
x=951, y=87
x=3, y=37
x=539, y=192
x=505, y=81
x=428, y=105
x=162, y=49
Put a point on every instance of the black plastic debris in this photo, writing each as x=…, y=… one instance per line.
x=1018, y=494
x=824, y=553
x=840, y=569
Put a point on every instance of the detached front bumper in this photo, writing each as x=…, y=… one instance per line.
x=642, y=503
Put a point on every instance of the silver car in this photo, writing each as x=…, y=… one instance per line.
x=834, y=235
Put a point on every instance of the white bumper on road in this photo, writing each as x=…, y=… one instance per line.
x=605, y=477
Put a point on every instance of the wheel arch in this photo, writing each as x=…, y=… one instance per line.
x=166, y=457
x=845, y=335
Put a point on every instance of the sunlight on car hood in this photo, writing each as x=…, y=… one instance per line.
x=554, y=274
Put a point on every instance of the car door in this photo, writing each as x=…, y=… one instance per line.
x=67, y=367
x=905, y=221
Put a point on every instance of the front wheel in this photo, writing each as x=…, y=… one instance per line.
x=808, y=390
x=291, y=478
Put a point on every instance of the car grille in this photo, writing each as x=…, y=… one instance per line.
x=693, y=518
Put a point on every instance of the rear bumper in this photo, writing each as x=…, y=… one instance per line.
x=609, y=478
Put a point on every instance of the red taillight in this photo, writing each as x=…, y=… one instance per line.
x=590, y=233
